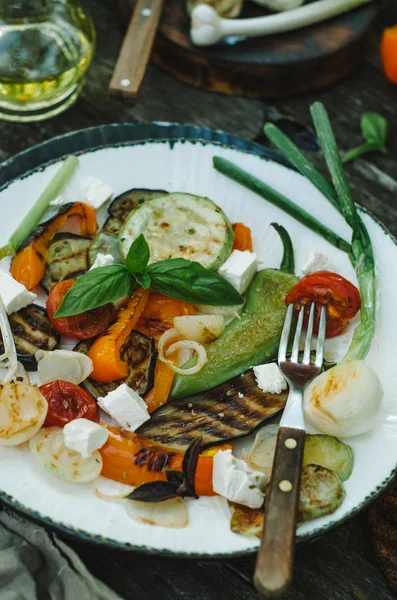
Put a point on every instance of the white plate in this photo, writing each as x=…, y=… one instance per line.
x=187, y=166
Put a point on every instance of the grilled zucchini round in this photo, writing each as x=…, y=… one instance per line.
x=180, y=226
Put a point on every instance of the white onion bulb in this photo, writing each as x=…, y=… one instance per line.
x=344, y=400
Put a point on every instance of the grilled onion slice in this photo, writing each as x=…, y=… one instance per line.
x=23, y=410
x=48, y=447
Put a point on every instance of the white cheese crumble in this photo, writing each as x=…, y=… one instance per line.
x=15, y=295
x=96, y=192
x=239, y=269
x=315, y=261
x=269, y=378
x=102, y=260
x=84, y=436
x=126, y=407
x=58, y=202
x=233, y=479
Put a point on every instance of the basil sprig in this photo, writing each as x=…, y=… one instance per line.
x=374, y=130
x=176, y=277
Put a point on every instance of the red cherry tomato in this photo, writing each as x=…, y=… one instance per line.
x=83, y=326
x=339, y=295
x=67, y=401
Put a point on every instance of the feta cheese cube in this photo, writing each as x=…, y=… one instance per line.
x=59, y=201
x=84, y=436
x=15, y=295
x=102, y=260
x=270, y=379
x=239, y=269
x=96, y=192
x=126, y=407
x=315, y=261
x=233, y=479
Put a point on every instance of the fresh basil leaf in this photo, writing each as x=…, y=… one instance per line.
x=374, y=129
x=96, y=288
x=190, y=281
x=138, y=255
x=143, y=279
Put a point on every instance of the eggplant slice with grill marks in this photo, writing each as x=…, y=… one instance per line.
x=121, y=206
x=233, y=409
x=140, y=355
x=67, y=258
x=32, y=331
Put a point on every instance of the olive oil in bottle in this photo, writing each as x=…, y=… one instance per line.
x=46, y=46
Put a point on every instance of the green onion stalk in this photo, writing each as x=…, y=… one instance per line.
x=360, y=251
x=339, y=194
x=361, y=254
x=34, y=215
x=271, y=195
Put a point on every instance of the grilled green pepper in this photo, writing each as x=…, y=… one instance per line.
x=249, y=340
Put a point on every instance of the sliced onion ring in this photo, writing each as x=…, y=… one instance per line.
x=170, y=335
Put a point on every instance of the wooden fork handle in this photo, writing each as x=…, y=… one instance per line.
x=273, y=570
x=136, y=49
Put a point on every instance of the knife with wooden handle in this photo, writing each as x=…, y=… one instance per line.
x=136, y=49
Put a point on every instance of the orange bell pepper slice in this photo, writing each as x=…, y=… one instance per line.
x=159, y=312
x=388, y=52
x=242, y=237
x=29, y=264
x=133, y=459
x=163, y=378
x=105, y=351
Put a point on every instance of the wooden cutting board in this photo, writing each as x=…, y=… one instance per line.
x=281, y=65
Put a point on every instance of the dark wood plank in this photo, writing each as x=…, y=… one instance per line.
x=262, y=67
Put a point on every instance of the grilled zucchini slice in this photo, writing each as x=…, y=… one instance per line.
x=180, y=226
x=329, y=452
x=32, y=330
x=105, y=243
x=322, y=492
x=121, y=206
x=67, y=258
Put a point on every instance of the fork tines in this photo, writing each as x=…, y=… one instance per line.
x=285, y=336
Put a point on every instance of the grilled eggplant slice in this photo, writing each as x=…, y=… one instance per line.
x=121, y=206
x=139, y=353
x=112, y=225
x=231, y=410
x=105, y=243
x=32, y=331
x=67, y=258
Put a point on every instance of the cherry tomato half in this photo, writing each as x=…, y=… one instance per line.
x=67, y=401
x=83, y=326
x=339, y=295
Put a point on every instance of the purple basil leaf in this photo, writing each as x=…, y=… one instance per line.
x=189, y=467
x=156, y=491
x=174, y=477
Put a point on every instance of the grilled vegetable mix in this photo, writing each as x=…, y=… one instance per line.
x=171, y=312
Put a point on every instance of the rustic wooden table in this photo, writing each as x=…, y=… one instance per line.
x=342, y=565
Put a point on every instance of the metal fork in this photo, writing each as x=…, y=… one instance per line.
x=273, y=570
